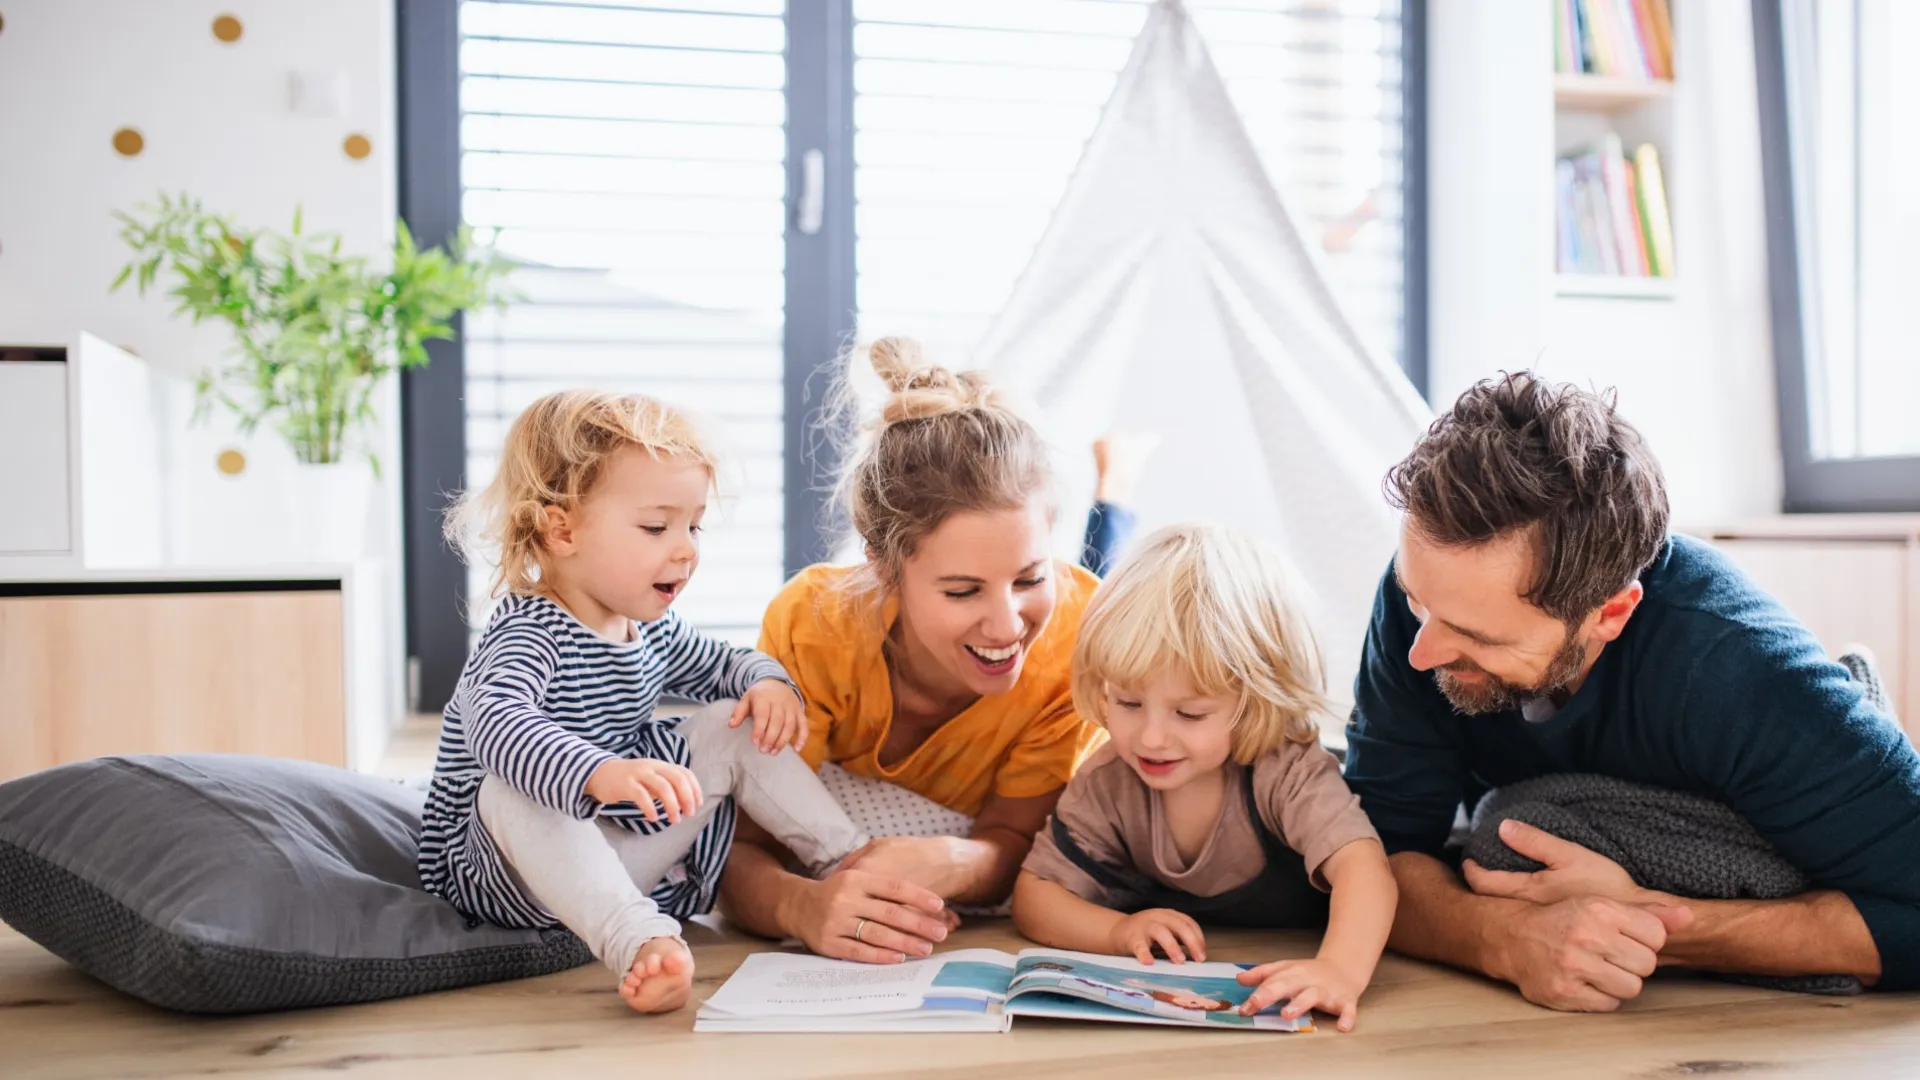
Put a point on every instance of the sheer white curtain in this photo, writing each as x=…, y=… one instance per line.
x=1851, y=95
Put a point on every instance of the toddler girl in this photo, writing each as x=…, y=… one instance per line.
x=1213, y=800
x=558, y=796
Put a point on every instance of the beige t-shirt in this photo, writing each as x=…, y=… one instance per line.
x=1121, y=823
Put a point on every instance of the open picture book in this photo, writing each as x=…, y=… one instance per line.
x=979, y=990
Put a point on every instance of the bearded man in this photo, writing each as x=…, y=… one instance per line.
x=1538, y=619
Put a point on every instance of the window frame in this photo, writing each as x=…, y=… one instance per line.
x=433, y=422
x=820, y=281
x=1811, y=484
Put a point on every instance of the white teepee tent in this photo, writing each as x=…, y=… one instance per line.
x=1173, y=292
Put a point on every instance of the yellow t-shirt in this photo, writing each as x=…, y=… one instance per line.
x=1022, y=743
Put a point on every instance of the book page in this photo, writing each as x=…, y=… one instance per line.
x=1204, y=994
x=785, y=984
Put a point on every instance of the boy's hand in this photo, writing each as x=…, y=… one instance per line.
x=1177, y=936
x=644, y=781
x=1311, y=984
x=779, y=716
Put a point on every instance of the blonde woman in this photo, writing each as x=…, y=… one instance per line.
x=937, y=667
x=1213, y=801
x=558, y=796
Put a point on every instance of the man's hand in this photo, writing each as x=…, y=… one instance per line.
x=1571, y=871
x=1586, y=954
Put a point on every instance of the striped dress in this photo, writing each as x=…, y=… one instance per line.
x=542, y=703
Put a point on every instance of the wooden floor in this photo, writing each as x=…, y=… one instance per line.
x=1416, y=1021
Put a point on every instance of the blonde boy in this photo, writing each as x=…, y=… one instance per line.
x=1213, y=800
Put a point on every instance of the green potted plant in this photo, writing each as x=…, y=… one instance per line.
x=315, y=331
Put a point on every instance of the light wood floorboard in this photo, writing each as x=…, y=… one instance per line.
x=1418, y=1020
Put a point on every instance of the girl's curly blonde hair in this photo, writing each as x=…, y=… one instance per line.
x=553, y=454
x=1225, y=610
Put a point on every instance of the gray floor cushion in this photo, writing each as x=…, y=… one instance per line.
x=224, y=883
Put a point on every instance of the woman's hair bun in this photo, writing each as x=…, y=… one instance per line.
x=917, y=389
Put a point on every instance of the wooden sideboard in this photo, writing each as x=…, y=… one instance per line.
x=119, y=664
x=1852, y=578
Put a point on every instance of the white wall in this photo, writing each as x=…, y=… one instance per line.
x=1695, y=373
x=218, y=124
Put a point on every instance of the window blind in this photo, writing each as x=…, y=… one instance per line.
x=631, y=156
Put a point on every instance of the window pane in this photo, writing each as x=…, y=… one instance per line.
x=1857, y=224
x=1889, y=228
x=631, y=155
x=970, y=116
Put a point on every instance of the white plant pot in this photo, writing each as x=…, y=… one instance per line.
x=325, y=511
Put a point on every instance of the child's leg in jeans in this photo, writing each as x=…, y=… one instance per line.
x=1118, y=458
x=778, y=791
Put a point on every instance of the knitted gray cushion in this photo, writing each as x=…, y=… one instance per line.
x=224, y=883
x=1670, y=841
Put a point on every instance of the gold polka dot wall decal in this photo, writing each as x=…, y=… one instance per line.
x=357, y=147
x=227, y=29
x=129, y=142
x=232, y=462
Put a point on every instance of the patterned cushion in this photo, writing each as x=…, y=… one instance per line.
x=225, y=883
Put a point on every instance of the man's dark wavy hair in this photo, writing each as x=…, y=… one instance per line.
x=1518, y=454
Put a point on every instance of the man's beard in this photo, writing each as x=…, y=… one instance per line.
x=1491, y=694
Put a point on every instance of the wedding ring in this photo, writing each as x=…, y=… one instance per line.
x=857, y=928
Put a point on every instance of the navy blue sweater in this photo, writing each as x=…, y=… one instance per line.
x=1712, y=688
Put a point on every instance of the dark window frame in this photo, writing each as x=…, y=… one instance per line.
x=820, y=298
x=1413, y=143
x=1812, y=484
x=433, y=420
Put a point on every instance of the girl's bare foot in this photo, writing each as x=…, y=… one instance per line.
x=661, y=976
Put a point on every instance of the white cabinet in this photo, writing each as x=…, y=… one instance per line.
x=80, y=458
x=36, y=507
x=1852, y=578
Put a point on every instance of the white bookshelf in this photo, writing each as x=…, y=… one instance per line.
x=1607, y=93
x=1613, y=287
x=1690, y=355
x=1587, y=107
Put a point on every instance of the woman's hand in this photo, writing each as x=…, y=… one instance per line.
x=1310, y=984
x=931, y=862
x=1177, y=935
x=779, y=716
x=858, y=915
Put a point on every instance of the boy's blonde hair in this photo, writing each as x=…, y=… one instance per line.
x=553, y=454
x=1225, y=610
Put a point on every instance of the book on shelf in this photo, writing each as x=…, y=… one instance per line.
x=1611, y=212
x=979, y=990
x=1630, y=39
x=1652, y=192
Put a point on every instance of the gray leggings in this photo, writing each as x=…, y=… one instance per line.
x=595, y=876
